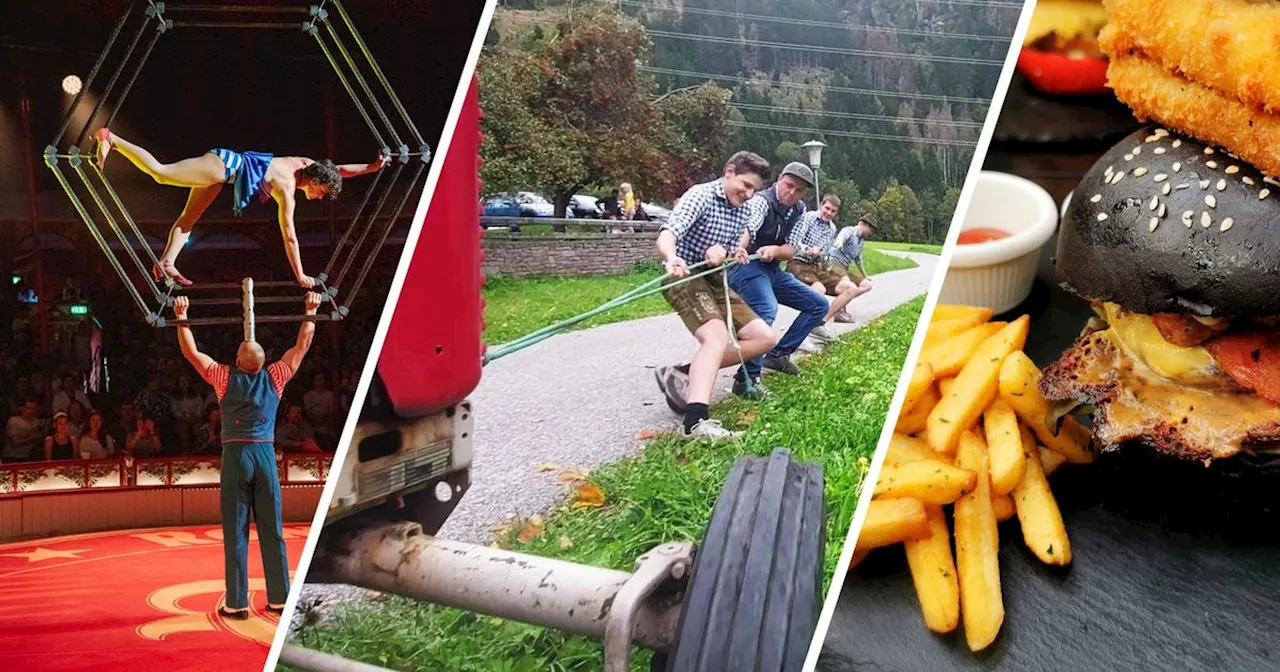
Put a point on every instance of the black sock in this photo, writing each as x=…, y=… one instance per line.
x=693, y=414
x=683, y=368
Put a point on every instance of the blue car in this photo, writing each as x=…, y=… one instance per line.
x=501, y=206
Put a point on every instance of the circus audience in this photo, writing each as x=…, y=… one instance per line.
x=139, y=399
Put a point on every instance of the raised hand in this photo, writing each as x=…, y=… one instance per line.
x=180, y=305
x=312, y=301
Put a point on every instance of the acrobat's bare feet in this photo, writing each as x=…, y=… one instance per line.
x=103, y=136
x=167, y=269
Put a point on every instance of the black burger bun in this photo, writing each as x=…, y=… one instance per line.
x=1214, y=250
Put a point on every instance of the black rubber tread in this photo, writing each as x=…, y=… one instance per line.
x=754, y=592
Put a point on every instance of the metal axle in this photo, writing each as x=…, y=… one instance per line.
x=618, y=608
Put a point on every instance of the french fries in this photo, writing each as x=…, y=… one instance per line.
x=933, y=571
x=977, y=550
x=975, y=387
x=892, y=521
x=947, y=358
x=971, y=438
x=1042, y=527
x=931, y=481
x=913, y=421
x=1020, y=387
x=1004, y=442
x=921, y=380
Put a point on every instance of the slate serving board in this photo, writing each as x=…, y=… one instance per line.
x=1175, y=567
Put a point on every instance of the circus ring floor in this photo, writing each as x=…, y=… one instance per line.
x=136, y=599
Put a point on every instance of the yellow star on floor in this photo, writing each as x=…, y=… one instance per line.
x=46, y=554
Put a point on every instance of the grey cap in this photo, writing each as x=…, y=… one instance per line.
x=799, y=170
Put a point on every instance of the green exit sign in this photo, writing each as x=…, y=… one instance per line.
x=15, y=279
x=79, y=309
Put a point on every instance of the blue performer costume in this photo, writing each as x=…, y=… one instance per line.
x=245, y=172
x=249, y=480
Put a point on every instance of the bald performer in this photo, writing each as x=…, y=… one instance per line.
x=248, y=395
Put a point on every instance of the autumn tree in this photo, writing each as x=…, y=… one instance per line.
x=571, y=109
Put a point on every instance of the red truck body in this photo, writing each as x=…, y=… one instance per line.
x=431, y=359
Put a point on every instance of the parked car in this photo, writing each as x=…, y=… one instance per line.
x=501, y=206
x=583, y=206
x=534, y=205
x=655, y=212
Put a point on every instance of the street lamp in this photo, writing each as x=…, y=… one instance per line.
x=814, y=147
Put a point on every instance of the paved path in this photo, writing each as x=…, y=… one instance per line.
x=577, y=400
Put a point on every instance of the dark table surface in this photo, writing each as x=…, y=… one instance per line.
x=1175, y=566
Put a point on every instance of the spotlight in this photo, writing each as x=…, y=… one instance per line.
x=71, y=84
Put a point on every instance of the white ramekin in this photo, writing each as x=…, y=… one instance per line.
x=999, y=274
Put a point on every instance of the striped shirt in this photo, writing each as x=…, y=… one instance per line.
x=811, y=231
x=704, y=218
x=217, y=375
x=847, y=248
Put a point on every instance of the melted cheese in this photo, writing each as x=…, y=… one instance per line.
x=1141, y=339
x=1067, y=19
x=1193, y=422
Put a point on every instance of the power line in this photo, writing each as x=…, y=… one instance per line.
x=864, y=117
x=815, y=87
x=813, y=23
x=850, y=134
x=826, y=50
x=693, y=37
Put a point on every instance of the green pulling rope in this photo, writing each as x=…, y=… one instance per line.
x=649, y=288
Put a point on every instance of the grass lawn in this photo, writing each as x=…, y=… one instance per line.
x=518, y=306
x=905, y=247
x=832, y=414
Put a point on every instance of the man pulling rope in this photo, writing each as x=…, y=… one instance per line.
x=253, y=175
x=248, y=395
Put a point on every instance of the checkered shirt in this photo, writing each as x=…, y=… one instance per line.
x=811, y=231
x=847, y=248
x=704, y=218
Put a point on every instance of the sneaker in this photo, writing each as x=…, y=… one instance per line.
x=844, y=317
x=710, y=429
x=758, y=390
x=675, y=387
x=781, y=365
x=810, y=346
x=822, y=333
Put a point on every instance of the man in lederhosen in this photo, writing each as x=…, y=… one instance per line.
x=248, y=395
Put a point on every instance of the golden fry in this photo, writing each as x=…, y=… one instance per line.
x=977, y=551
x=892, y=521
x=931, y=481
x=952, y=311
x=1020, y=387
x=944, y=386
x=947, y=358
x=1050, y=461
x=921, y=380
x=974, y=388
x=1003, y=506
x=1042, y=528
x=941, y=330
x=933, y=570
x=913, y=421
x=1004, y=445
x=904, y=448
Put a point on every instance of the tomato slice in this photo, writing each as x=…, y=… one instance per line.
x=1061, y=75
x=1181, y=329
x=1252, y=359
